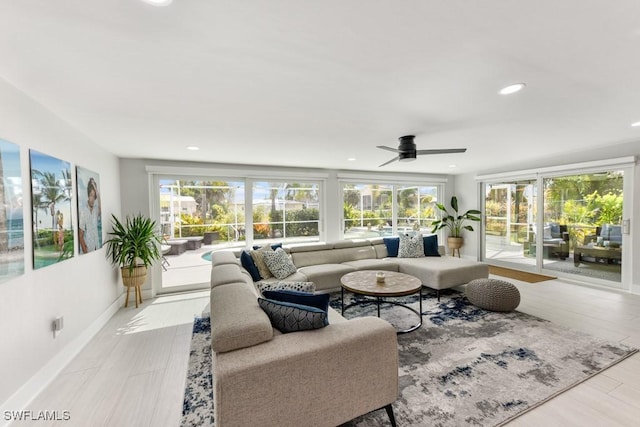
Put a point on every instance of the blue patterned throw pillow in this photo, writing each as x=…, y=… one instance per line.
x=288, y=317
x=320, y=301
x=279, y=263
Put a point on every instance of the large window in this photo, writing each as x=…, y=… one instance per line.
x=370, y=210
x=193, y=208
x=286, y=211
x=199, y=216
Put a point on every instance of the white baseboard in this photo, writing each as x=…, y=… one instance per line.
x=41, y=379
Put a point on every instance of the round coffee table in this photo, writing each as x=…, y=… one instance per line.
x=395, y=285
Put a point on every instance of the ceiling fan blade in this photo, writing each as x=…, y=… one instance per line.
x=390, y=161
x=384, y=147
x=442, y=151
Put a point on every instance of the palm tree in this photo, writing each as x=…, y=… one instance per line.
x=52, y=192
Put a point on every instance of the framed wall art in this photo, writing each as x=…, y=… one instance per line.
x=11, y=212
x=51, y=198
x=89, y=210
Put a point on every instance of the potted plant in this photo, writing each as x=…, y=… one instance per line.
x=455, y=223
x=133, y=246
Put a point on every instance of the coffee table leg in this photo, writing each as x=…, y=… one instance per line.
x=378, y=299
x=342, y=297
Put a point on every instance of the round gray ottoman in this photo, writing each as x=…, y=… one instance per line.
x=493, y=294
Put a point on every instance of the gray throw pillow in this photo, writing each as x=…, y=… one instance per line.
x=279, y=263
x=411, y=246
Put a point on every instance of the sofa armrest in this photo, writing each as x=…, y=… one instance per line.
x=323, y=377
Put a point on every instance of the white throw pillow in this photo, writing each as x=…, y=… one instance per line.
x=411, y=246
x=308, y=287
x=279, y=263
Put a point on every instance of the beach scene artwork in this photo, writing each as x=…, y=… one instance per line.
x=52, y=195
x=11, y=212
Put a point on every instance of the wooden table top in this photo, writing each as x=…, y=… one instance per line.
x=395, y=284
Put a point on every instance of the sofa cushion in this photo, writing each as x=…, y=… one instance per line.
x=381, y=250
x=443, y=272
x=298, y=276
x=411, y=246
x=279, y=263
x=353, y=243
x=326, y=276
x=393, y=245
x=431, y=245
x=308, y=287
x=247, y=262
x=323, y=253
x=258, y=259
x=223, y=257
x=226, y=273
x=237, y=321
x=373, y=264
x=288, y=317
x=320, y=301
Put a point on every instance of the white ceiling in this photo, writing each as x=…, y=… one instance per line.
x=312, y=83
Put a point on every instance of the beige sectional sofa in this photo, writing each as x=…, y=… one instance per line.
x=321, y=377
x=325, y=263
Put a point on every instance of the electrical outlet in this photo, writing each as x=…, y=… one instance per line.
x=57, y=325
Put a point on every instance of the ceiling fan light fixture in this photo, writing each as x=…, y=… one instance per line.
x=508, y=90
x=406, y=159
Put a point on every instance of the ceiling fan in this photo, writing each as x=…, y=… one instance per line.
x=407, y=150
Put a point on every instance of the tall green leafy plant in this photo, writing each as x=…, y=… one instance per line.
x=455, y=222
x=133, y=243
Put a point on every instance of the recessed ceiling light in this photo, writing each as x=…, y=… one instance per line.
x=351, y=159
x=453, y=166
x=636, y=124
x=508, y=90
x=158, y=2
x=193, y=148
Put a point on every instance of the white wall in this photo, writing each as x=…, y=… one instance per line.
x=82, y=289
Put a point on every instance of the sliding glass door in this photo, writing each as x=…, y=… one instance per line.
x=510, y=211
x=583, y=217
x=567, y=225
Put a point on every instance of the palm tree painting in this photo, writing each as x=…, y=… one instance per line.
x=51, y=196
x=11, y=217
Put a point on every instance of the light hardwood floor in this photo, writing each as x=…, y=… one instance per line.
x=133, y=372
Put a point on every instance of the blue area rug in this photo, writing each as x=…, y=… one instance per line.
x=464, y=367
x=197, y=409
